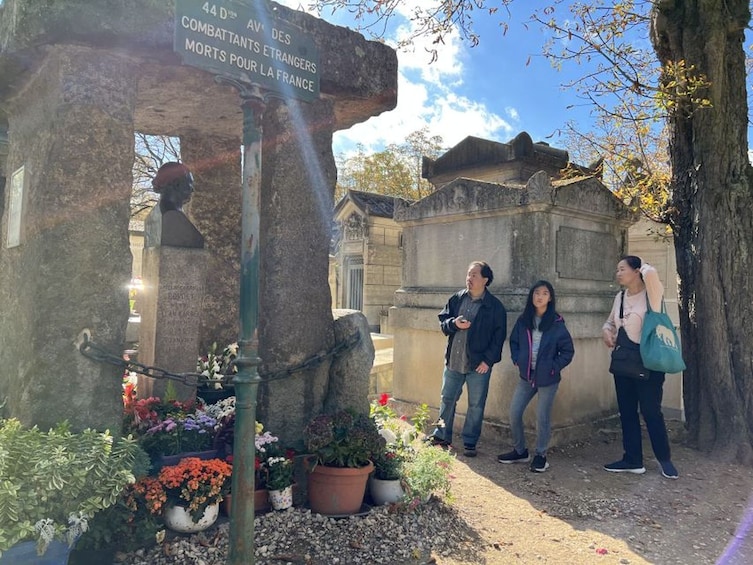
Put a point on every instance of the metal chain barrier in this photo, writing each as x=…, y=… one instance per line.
x=96, y=352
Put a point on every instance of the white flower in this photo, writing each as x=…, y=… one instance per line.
x=221, y=409
x=77, y=525
x=408, y=437
x=388, y=435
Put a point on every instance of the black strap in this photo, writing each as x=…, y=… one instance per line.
x=622, y=301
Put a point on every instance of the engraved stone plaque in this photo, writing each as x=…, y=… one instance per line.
x=586, y=255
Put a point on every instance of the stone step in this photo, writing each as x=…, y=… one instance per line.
x=382, y=341
x=383, y=357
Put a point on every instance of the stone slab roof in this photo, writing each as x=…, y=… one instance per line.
x=476, y=152
x=371, y=203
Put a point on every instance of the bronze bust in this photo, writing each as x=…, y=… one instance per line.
x=166, y=224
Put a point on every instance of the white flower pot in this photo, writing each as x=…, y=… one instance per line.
x=178, y=518
x=385, y=491
x=281, y=499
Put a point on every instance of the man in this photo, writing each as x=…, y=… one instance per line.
x=475, y=322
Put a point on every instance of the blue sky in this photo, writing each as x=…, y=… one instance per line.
x=494, y=91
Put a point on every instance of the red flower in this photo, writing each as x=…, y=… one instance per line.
x=257, y=463
x=384, y=399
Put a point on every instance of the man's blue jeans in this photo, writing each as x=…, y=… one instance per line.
x=523, y=394
x=452, y=388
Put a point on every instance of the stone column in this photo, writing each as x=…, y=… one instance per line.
x=71, y=128
x=298, y=179
x=215, y=209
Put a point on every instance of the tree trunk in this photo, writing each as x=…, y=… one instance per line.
x=712, y=220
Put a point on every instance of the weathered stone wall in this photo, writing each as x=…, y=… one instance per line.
x=383, y=263
x=570, y=234
x=295, y=312
x=215, y=209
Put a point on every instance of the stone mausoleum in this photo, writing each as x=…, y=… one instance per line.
x=369, y=257
x=510, y=205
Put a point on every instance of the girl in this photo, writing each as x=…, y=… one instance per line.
x=541, y=346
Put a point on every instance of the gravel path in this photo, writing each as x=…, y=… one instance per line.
x=297, y=536
x=574, y=513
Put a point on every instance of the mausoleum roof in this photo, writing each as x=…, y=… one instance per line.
x=371, y=203
x=475, y=152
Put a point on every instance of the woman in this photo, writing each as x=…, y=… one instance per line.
x=639, y=281
x=541, y=347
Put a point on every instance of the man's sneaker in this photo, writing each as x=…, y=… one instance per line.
x=469, y=450
x=668, y=470
x=539, y=464
x=438, y=441
x=623, y=466
x=514, y=457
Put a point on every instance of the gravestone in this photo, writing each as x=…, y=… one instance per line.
x=171, y=310
x=174, y=284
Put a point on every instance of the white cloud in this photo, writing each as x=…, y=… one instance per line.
x=425, y=94
x=426, y=98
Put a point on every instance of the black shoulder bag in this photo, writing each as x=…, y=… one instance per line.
x=626, y=355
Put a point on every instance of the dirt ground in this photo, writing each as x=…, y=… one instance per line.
x=578, y=513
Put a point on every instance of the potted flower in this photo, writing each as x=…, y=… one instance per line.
x=264, y=443
x=400, y=435
x=218, y=369
x=188, y=494
x=341, y=446
x=52, y=483
x=169, y=430
x=180, y=435
x=280, y=472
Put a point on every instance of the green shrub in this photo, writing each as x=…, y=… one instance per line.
x=52, y=483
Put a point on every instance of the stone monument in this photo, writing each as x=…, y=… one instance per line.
x=76, y=81
x=174, y=283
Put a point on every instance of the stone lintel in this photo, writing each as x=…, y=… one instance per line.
x=360, y=75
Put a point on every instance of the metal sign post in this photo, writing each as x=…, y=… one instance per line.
x=247, y=47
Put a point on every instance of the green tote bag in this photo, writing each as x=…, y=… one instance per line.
x=660, y=348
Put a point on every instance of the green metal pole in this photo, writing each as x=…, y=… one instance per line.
x=247, y=379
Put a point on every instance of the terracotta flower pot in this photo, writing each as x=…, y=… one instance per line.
x=338, y=490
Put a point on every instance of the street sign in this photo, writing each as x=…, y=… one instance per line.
x=249, y=44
